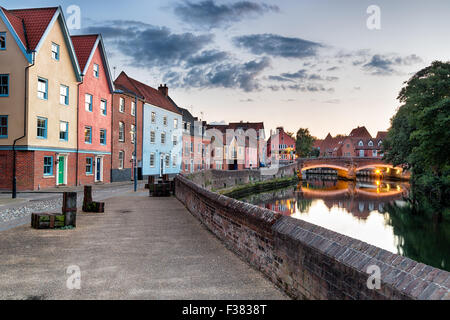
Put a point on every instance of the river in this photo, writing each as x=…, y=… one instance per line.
x=373, y=211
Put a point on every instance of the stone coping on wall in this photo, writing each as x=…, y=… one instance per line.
x=345, y=257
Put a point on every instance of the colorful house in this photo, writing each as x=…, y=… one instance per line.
x=281, y=147
x=94, y=112
x=39, y=77
x=128, y=106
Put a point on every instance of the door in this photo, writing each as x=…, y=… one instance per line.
x=61, y=169
x=98, y=169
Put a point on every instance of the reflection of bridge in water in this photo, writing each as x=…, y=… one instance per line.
x=348, y=167
x=357, y=198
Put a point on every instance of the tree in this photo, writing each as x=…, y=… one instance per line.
x=419, y=134
x=304, y=143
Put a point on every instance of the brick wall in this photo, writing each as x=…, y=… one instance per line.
x=85, y=179
x=305, y=260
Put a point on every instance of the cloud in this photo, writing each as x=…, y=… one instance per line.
x=333, y=101
x=229, y=74
x=301, y=75
x=385, y=65
x=209, y=14
x=148, y=45
x=300, y=87
x=207, y=57
x=247, y=100
x=277, y=46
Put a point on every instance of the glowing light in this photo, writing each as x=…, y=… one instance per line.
x=378, y=182
x=378, y=171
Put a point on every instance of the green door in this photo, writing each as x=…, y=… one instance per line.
x=61, y=170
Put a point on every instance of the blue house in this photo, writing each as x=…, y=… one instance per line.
x=162, y=133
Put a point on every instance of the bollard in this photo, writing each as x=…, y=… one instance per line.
x=69, y=208
x=87, y=200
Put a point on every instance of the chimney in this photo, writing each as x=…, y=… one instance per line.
x=163, y=89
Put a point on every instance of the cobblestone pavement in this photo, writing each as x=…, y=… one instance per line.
x=140, y=248
x=13, y=214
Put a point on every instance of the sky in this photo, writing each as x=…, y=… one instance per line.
x=291, y=63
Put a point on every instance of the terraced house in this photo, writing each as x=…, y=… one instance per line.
x=94, y=111
x=39, y=77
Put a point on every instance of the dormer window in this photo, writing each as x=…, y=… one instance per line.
x=55, y=51
x=370, y=144
x=361, y=144
x=380, y=143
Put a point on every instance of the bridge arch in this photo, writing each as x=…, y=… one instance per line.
x=324, y=165
x=378, y=165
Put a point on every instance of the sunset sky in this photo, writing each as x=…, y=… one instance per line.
x=290, y=63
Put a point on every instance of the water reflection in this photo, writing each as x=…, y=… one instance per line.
x=366, y=210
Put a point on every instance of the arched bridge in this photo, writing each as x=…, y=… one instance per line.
x=347, y=167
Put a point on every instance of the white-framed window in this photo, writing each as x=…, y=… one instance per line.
x=42, y=89
x=361, y=143
x=374, y=153
x=55, y=51
x=167, y=160
x=152, y=136
x=103, y=104
x=121, y=159
x=175, y=123
x=133, y=133
x=175, y=140
x=121, y=131
x=133, y=108
x=370, y=144
x=96, y=70
x=174, y=160
x=152, y=160
x=153, y=117
x=121, y=105
x=163, y=137
x=88, y=102
x=380, y=143
x=64, y=95
x=361, y=153
x=188, y=126
x=165, y=120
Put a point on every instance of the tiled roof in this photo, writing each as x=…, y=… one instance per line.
x=83, y=46
x=150, y=95
x=381, y=135
x=247, y=125
x=360, y=132
x=35, y=22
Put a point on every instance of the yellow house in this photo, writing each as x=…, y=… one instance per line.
x=39, y=77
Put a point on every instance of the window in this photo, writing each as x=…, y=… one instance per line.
x=2, y=40
x=121, y=159
x=361, y=144
x=152, y=136
x=192, y=147
x=133, y=108
x=64, y=95
x=361, y=153
x=42, y=89
x=188, y=126
x=103, y=136
x=175, y=138
x=374, y=153
x=153, y=117
x=380, y=143
x=3, y=127
x=121, y=131
x=42, y=128
x=174, y=160
x=89, y=165
x=103, y=104
x=88, y=135
x=96, y=69
x=167, y=160
x=152, y=160
x=48, y=166
x=64, y=131
x=55, y=51
x=175, y=123
x=88, y=102
x=133, y=133
x=163, y=137
x=165, y=121
x=370, y=144
x=4, y=85
x=122, y=105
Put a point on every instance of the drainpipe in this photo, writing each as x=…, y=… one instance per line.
x=78, y=128
x=14, y=182
x=135, y=141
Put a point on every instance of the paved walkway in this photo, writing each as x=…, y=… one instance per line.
x=141, y=248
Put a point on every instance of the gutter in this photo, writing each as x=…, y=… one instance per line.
x=14, y=186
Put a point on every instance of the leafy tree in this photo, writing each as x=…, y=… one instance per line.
x=419, y=134
x=304, y=143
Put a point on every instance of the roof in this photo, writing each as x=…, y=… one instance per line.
x=381, y=135
x=247, y=125
x=30, y=24
x=360, y=132
x=84, y=45
x=149, y=94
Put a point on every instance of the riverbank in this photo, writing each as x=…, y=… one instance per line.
x=242, y=191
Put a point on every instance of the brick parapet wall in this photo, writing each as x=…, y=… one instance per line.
x=305, y=260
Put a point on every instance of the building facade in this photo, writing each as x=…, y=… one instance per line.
x=39, y=76
x=281, y=147
x=94, y=112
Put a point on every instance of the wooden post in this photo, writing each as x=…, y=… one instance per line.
x=69, y=208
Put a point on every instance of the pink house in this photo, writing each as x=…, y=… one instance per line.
x=94, y=111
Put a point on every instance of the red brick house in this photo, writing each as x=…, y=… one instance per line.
x=281, y=147
x=124, y=112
